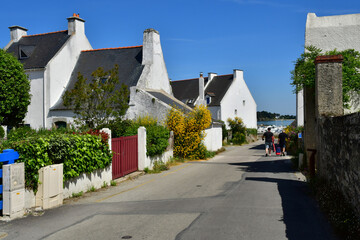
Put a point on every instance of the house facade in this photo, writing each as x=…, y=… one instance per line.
x=339, y=32
x=53, y=61
x=227, y=96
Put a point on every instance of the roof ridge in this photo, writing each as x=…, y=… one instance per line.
x=224, y=75
x=101, y=49
x=40, y=34
x=186, y=79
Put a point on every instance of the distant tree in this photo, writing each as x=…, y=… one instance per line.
x=14, y=90
x=304, y=72
x=98, y=101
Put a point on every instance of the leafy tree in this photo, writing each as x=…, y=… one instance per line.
x=14, y=90
x=304, y=72
x=238, y=130
x=97, y=101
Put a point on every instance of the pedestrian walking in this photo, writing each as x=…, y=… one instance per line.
x=282, y=141
x=269, y=141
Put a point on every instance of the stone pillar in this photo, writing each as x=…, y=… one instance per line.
x=108, y=131
x=328, y=86
x=142, y=148
x=328, y=98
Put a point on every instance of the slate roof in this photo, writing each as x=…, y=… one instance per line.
x=38, y=49
x=127, y=58
x=169, y=100
x=186, y=90
x=218, y=87
x=189, y=89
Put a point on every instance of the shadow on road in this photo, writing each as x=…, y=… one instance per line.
x=301, y=215
x=272, y=166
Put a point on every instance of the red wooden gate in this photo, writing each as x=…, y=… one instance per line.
x=125, y=156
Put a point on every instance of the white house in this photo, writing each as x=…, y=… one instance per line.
x=53, y=61
x=227, y=96
x=339, y=32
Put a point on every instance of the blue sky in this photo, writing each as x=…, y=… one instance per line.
x=261, y=37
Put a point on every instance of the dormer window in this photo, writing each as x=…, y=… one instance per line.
x=25, y=51
x=208, y=99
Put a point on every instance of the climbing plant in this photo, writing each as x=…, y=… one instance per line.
x=304, y=71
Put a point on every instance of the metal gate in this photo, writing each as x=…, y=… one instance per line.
x=125, y=156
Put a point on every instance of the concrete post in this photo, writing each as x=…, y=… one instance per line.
x=108, y=131
x=142, y=148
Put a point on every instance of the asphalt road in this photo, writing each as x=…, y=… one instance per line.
x=239, y=194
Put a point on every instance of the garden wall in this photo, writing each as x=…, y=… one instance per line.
x=339, y=154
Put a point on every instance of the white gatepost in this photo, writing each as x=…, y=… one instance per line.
x=142, y=159
x=108, y=131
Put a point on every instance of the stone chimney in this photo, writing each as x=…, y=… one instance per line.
x=76, y=25
x=16, y=32
x=151, y=45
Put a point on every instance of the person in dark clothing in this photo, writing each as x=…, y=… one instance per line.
x=282, y=141
x=269, y=139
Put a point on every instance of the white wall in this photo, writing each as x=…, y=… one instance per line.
x=144, y=104
x=234, y=98
x=35, y=113
x=154, y=75
x=213, y=138
x=61, y=66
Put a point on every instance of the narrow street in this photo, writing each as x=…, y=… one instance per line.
x=239, y=194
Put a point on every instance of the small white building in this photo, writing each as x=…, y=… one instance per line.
x=227, y=96
x=339, y=32
x=53, y=61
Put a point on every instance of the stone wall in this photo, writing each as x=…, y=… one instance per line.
x=339, y=154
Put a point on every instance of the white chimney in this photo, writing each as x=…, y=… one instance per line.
x=238, y=74
x=201, y=99
x=151, y=45
x=211, y=77
x=16, y=32
x=76, y=25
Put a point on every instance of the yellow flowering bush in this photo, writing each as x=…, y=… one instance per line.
x=189, y=131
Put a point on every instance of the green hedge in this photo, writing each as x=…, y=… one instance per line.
x=79, y=153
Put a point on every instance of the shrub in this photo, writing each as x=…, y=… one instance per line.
x=78, y=153
x=292, y=144
x=189, y=131
x=251, y=131
x=238, y=130
x=20, y=133
x=157, y=140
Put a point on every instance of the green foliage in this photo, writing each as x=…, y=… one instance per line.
x=105, y=185
x=293, y=145
x=238, y=130
x=97, y=101
x=76, y=195
x=113, y=183
x=92, y=189
x=78, y=153
x=251, y=131
x=157, y=140
x=304, y=72
x=2, y=132
x=14, y=90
